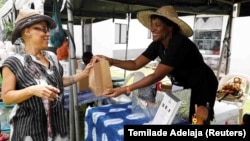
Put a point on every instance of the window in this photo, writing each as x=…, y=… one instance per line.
x=207, y=34
x=207, y=37
x=120, y=33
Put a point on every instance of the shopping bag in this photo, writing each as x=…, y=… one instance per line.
x=57, y=35
x=99, y=76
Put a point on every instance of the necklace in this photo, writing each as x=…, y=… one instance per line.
x=38, y=56
x=41, y=54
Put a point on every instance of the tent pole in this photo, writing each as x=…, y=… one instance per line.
x=83, y=34
x=74, y=113
x=234, y=14
x=126, y=51
x=225, y=51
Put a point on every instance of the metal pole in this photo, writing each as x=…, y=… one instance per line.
x=126, y=51
x=73, y=103
x=89, y=47
x=224, y=61
x=83, y=34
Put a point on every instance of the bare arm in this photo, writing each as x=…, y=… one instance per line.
x=12, y=96
x=136, y=64
x=160, y=72
x=69, y=80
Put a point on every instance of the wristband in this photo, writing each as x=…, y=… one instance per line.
x=128, y=90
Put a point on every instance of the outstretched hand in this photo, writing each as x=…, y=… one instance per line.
x=114, y=92
x=106, y=58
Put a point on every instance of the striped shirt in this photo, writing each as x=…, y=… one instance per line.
x=30, y=118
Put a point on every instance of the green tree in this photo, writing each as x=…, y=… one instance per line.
x=2, y=2
x=8, y=29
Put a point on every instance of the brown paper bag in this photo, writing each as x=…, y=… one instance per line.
x=99, y=76
x=82, y=85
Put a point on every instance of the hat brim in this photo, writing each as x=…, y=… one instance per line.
x=145, y=18
x=19, y=26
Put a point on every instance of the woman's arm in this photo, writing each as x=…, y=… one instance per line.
x=160, y=72
x=136, y=64
x=12, y=96
x=69, y=80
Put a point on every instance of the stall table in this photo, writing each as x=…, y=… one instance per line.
x=106, y=122
x=84, y=97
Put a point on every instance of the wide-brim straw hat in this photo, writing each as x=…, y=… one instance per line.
x=168, y=12
x=28, y=17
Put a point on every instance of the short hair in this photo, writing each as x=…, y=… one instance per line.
x=86, y=57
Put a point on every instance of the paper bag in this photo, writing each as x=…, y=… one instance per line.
x=99, y=76
x=82, y=85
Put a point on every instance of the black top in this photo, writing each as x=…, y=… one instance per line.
x=190, y=70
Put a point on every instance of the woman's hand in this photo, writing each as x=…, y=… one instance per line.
x=87, y=68
x=44, y=91
x=115, y=92
x=110, y=60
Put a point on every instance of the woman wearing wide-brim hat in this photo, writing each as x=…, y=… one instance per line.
x=180, y=60
x=34, y=81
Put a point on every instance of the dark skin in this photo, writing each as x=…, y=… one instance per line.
x=160, y=32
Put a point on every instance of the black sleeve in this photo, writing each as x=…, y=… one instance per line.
x=152, y=51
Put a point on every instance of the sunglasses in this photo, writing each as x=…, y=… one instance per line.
x=44, y=29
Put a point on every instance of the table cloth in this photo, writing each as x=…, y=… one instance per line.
x=106, y=122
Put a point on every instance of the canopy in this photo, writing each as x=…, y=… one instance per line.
x=105, y=9
x=98, y=10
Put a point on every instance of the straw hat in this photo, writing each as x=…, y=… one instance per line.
x=28, y=17
x=167, y=12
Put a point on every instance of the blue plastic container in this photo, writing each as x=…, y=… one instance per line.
x=4, y=114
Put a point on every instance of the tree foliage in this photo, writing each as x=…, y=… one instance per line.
x=2, y=2
x=8, y=29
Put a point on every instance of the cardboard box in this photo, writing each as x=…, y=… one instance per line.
x=83, y=85
x=166, y=88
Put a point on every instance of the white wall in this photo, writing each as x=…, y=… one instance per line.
x=103, y=37
x=138, y=35
x=240, y=46
x=77, y=39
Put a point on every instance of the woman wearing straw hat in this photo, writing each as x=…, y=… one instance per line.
x=180, y=60
x=34, y=81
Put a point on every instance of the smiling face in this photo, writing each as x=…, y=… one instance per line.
x=158, y=29
x=161, y=29
x=37, y=35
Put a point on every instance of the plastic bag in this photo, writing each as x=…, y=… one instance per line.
x=63, y=51
x=184, y=95
x=57, y=35
x=144, y=101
